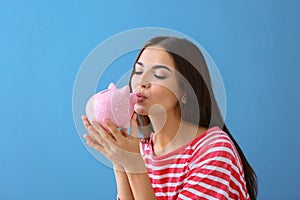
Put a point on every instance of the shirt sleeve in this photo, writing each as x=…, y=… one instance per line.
x=215, y=172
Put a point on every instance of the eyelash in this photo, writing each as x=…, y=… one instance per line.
x=138, y=73
x=157, y=76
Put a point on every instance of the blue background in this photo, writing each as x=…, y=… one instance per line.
x=255, y=45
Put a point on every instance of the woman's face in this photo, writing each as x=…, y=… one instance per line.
x=155, y=82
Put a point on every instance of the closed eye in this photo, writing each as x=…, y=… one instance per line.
x=159, y=77
x=138, y=73
x=139, y=69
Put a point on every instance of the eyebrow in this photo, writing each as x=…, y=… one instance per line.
x=155, y=66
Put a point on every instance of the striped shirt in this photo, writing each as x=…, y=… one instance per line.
x=208, y=167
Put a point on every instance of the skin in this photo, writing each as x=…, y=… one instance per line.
x=156, y=77
x=170, y=131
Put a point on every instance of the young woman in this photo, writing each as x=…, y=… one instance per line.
x=187, y=151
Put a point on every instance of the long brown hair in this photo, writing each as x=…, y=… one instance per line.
x=191, y=64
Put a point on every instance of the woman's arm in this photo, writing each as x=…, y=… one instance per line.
x=123, y=186
x=141, y=186
x=133, y=186
x=138, y=179
x=123, y=150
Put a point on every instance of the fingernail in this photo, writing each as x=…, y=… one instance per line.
x=94, y=123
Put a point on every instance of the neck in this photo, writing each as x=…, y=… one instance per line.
x=170, y=132
x=165, y=126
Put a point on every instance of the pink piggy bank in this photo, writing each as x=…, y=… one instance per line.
x=114, y=104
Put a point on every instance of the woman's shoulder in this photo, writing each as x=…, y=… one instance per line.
x=210, y=135
x=215, y=145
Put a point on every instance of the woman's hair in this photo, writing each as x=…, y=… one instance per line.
x=191, y=64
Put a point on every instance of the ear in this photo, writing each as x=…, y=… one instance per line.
x=112, y=86
x=184, y=98
x=125, y=89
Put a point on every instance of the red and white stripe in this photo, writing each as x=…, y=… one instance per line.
x=208, y=167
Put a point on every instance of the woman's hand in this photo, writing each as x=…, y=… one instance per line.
x=119, y=147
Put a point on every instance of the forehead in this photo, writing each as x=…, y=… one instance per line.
x=156, y=55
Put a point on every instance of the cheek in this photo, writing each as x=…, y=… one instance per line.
x=168, y=89
x=134, y=82
x=164, y=96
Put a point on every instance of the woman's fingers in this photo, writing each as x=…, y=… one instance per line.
x=124, y=132
x=92, y=143
x=98, y=137
x=89, y=138
x=134, y=131
x=86, y=123
x=113, y=130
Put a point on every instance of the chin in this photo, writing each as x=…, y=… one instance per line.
x=141, y=110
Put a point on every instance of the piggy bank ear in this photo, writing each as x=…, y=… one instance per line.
x=112, y=86
x=125, y=90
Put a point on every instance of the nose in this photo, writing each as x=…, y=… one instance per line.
x=145, y=85
x=141, y=81
x=141, y=86
x=144, y=81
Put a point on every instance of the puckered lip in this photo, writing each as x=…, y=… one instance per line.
x=141, y=95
